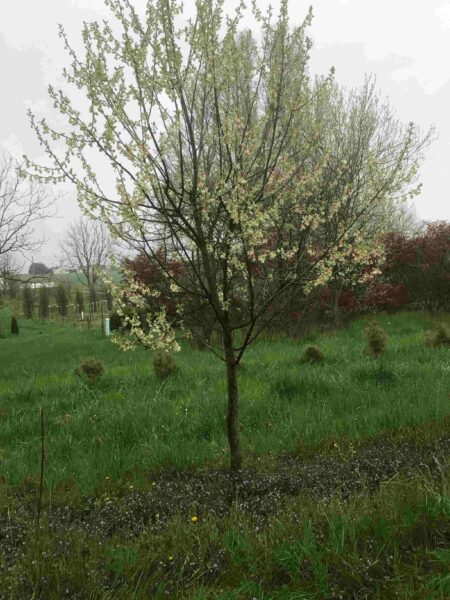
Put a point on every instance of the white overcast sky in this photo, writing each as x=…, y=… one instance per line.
x=405, y=43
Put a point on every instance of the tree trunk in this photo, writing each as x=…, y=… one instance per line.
x=336, y=308
x=233, y=405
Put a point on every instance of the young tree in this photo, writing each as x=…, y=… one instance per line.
x=44, y=301
x=62, y=300
x=211, y=134
x=93, y=299
x=79, y=301
x=28, y=301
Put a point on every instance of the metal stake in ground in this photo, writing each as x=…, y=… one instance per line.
x=41, y=481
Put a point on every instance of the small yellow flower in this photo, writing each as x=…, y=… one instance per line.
x=170, y=557
x=107, y=478
x=131, y=487
x=194, y=519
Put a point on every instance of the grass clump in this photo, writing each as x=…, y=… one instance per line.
x=163, y=364
x=376, y=338
x=439, y=336
x=312, y=354
x=91, y=370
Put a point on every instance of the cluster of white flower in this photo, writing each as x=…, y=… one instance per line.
x=131, y=299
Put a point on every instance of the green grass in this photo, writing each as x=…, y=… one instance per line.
x=130, y=421
x=393, y=543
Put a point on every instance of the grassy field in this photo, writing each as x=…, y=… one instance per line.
x=114, y=444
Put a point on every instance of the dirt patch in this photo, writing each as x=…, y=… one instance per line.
x=256, y=493
x=260, y=493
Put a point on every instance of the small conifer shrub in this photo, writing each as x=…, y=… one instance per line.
x=163, y=364
x=438, y=336
x=90, y=370
x=79, y=302
x=312, y=354
x=14, y=326
x=376, y=338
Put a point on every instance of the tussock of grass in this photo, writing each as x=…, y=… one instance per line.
x=312, y=354
x=438, y=336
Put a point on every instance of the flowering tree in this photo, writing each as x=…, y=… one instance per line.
x=364, y=137
x=219, y=165
x=198, y=318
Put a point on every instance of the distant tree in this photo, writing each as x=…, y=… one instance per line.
x=39, y=269
x=421, y=264
x=86, y=248
x=22, y=205
x=385, y=296
x=28, y=301
x=9, y=275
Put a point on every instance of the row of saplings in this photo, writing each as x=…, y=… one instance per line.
x=92, y=369
x=376, y=338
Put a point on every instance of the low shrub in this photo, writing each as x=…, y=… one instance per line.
x=438, y=336
x=376, y=339
x=163, y=364
x=91, y=370
x=312, y=354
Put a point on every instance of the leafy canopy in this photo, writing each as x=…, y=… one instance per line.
x=220, y=149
